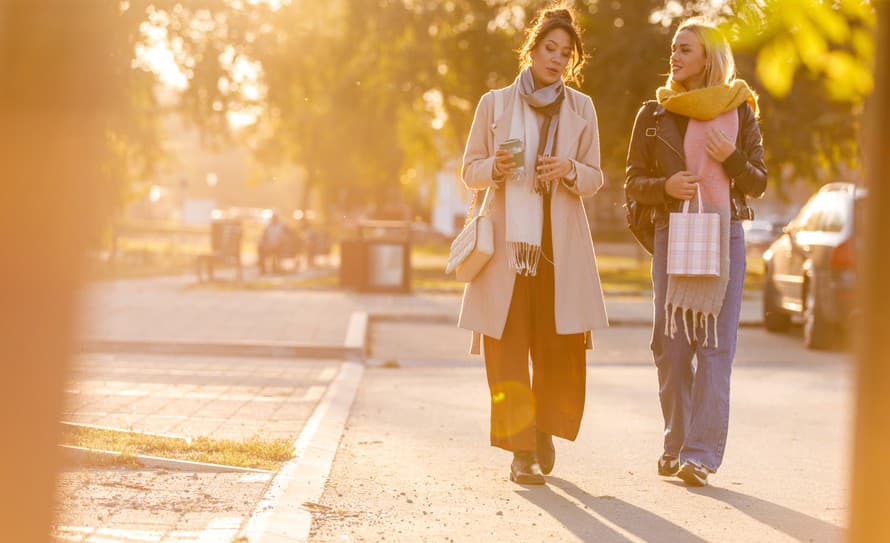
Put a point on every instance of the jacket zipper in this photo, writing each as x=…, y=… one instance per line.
x=671, y=147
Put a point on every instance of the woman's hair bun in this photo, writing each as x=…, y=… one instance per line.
x=559, y=13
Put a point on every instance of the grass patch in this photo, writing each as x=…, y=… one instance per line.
x=253, y=452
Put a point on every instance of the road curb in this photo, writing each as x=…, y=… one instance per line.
x=282, y=515
x=81, y=454
x=227, y=348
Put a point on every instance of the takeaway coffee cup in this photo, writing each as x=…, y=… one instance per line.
x=515, y=147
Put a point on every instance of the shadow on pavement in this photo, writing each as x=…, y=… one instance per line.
x=794, y=523
x=588, y=526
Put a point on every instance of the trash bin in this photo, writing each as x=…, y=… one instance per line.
x=352, y=264
x=378, y=259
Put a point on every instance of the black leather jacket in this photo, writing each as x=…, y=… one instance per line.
x=656, y=153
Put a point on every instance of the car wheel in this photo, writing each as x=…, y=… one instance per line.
x=774, y=318
x=818, y=333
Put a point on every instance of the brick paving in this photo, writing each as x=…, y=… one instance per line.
x=218, y=397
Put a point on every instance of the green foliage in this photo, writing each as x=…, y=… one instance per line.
x=814, y=60
x=831, y=40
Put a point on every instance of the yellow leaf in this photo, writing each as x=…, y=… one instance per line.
x=776, y=64
x=847, y=78
x=864, y=44
x=830, y=22
x=811, y=45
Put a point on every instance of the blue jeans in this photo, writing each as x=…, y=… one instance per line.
x=695, y=400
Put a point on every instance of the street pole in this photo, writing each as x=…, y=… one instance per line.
x=59, y=83
x=870, y=495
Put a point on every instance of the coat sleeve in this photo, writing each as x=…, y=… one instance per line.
x=589, y=175
x=639, y=183
x=478, y=161
x=745, y=166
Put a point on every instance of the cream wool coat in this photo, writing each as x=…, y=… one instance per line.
x=579, y=303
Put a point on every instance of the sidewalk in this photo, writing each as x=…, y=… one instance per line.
x=187, y=396
x=191, y=396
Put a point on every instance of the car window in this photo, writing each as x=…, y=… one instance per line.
x=811, y=215
x=835, y=212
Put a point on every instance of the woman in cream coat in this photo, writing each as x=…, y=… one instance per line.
x=540, y=292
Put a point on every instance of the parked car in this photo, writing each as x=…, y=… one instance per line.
x=810, y=270
x=759, y=234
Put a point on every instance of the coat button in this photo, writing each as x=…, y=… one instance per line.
x=494, y=126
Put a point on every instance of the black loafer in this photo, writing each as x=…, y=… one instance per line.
x=525, y=469
x=546, y=452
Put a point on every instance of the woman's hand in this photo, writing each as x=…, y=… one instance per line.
x=718, y=145
x=504, y=166
x=681, y=185
x=551, y=168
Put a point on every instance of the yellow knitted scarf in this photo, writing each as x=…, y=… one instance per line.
x=706, y=103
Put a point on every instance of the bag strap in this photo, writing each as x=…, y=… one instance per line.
x=498, y=111
x=698, y=197
x=498, y=103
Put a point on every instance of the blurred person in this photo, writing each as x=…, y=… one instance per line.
x=315, y=243
x=540, y=292
x=701, y=133
x=276, y=243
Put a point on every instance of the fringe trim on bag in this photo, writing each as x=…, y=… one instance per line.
x=699, y=319
x=524, y=257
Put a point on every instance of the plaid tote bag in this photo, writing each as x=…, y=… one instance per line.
x=694, y=242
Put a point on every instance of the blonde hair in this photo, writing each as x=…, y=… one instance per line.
x=562, y=16
x=719, y=62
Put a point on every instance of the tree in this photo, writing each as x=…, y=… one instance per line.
x=812, y=115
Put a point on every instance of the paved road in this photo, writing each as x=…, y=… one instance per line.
x=431, y=343
x=176, y=309
x=414, y=464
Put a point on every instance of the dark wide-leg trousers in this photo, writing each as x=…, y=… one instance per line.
x=552, y=400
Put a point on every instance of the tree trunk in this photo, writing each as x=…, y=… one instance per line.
x=869, y=520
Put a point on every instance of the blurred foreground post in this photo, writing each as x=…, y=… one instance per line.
x=59, y=89
x=870, y=503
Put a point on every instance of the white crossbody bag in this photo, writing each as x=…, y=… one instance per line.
x=474, y=245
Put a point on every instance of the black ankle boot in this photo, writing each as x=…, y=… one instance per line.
x=525, y=469
x=546, y=452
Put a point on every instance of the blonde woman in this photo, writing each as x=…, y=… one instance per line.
x=701, y=135
x=540, y=292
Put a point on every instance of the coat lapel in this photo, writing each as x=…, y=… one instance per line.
x=569, y=130
x=568, y=134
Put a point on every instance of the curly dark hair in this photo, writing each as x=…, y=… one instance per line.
x=557, y=16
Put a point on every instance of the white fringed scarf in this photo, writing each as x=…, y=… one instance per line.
x=525, y=206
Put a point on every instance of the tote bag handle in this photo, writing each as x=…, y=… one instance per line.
x=698, y=197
